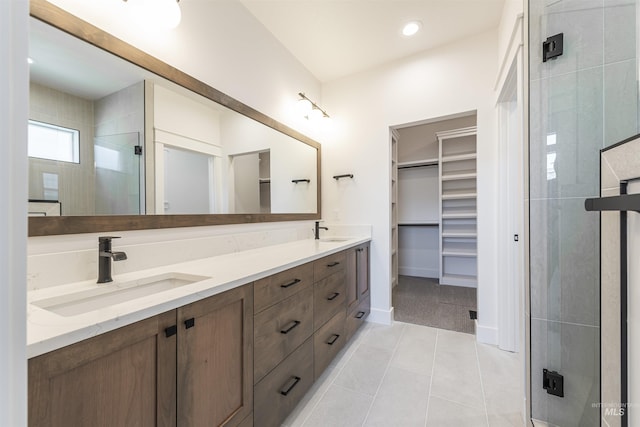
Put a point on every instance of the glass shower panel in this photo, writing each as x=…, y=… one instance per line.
x=118, y=174
x=580, y=102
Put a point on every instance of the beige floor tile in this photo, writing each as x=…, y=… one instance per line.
x=443, y=413
x=401, y=400
x=364, y=370
x=340, y=407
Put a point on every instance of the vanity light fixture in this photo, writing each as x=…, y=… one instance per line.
x=165, y=14
x=310, y=110
x=411, y=28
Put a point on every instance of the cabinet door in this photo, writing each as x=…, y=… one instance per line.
x=215, y=359
x=351, y=278
x=362, y=255
x=124, y=377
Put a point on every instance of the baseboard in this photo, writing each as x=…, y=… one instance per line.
x=431, y=273
x=384, y=317
x=486, y=335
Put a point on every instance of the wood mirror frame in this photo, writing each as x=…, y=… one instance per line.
x=43, y=226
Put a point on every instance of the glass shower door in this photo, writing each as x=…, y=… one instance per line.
x=119, y=187
x=580, y=102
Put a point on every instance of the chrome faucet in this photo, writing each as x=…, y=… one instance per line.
x=317, y=230
x=105, y=255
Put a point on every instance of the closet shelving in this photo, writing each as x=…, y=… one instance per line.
x=458, y=206
x=394, y=208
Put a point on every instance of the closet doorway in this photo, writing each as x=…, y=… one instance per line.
x=434, y=223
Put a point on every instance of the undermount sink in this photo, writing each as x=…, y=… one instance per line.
x=334, y=239
x=109, y=294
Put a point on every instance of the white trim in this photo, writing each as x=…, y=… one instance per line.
x=486, y=334
x=169, y=138
x=515, y=42
x=384, y=317
x=431, y=273
x=14, y=79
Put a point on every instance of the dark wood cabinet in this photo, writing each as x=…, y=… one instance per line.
x=215, y=359
x=281, y=390
x=124, y=377
x=240, y=358
x=327, y=342
x=190, y=366
x=358, y=288
x=280, y=329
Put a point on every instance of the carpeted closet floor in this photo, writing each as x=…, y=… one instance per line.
x=423, y=301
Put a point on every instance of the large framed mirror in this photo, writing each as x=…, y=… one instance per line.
x=119, y=140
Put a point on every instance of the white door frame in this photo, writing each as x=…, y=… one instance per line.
x=511, y=242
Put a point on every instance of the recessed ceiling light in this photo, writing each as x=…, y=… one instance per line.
x=411, y=28
x=29, y=60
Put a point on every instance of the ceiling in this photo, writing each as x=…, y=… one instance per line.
x=336, y=38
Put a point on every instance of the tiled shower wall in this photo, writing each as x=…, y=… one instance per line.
x=580, y=103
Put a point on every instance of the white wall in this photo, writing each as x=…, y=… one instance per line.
x=455, y=78
x=14, y=93
x=221, y=44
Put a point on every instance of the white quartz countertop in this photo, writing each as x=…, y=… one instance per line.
x=47, y=331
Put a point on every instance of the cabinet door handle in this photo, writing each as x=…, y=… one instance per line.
x=360, y=314
x=359, y=250
x=333, y=264
x=295, y=382
x=290, y=328
x=291, y=283
x=171, y=331
x=189, y=323
x=333, y=339
x=333, y=296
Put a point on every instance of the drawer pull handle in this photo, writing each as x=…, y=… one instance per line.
x=290, y=328
x=333, y=296
x=333, y=264
x=333, y=339
x=295, y=382
x=360, y=314
x=171, y=331
x=189, y=323
x=291, y=283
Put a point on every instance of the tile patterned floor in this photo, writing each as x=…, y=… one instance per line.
x=423, y=301
x=408, y=375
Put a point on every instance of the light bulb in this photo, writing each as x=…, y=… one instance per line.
x=167, y=13
x=304, y=107
x=411, y=28
x=161, y=14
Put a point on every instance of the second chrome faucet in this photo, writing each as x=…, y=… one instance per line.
x=105, y=255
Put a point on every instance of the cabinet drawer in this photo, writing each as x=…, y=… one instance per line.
x=328, y=298
x=279, y=330
x=356, y=318
x=328, y=265
x=327, y=342
x=279, y=392
x=273, y=289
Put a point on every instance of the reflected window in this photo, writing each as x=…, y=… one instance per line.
x=551, y=157
x=50, y=186
x=107, y=158
x=51, y=142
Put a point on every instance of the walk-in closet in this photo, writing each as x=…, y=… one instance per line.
x=434, y=223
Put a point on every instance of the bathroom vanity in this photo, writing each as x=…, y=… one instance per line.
x=240, y=347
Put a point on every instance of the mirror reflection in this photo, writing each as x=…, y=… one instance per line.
x=109, y=138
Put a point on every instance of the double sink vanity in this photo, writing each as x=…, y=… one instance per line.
x=204, y=331
x=235, y=339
